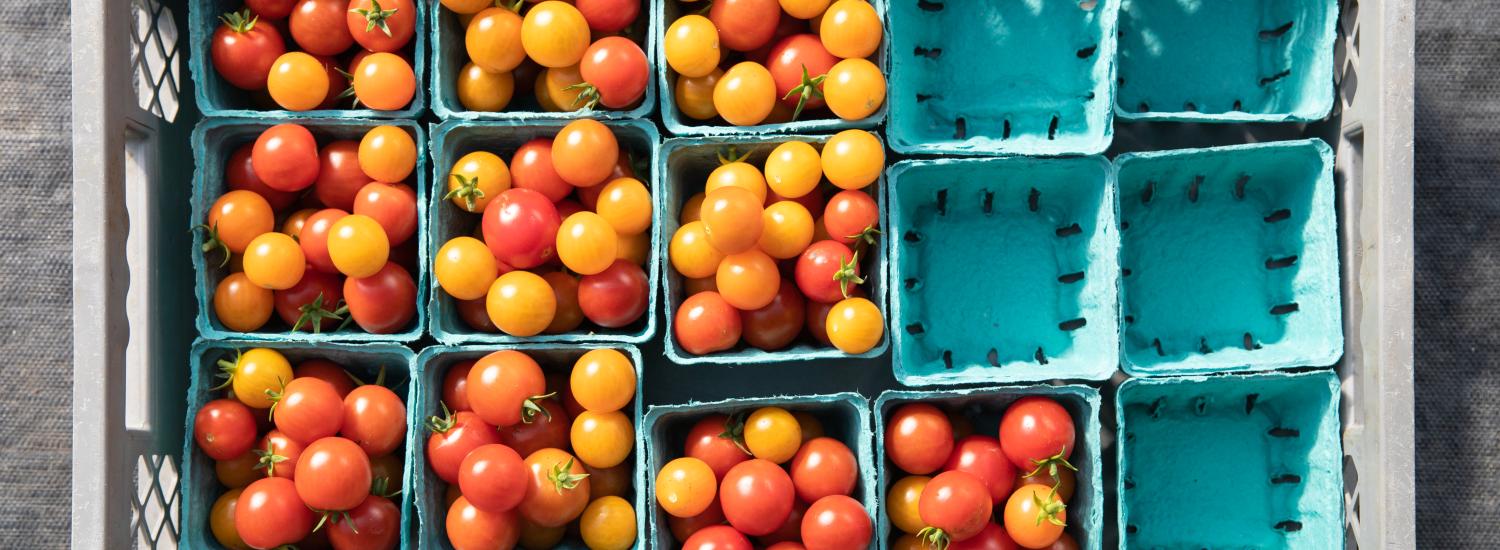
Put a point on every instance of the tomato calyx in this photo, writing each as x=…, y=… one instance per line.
x=866, y=237
x=381, y=487
x=730, y=155
x=441, y=424
x=810, y=88
x=268, y=459
x=934, y=538
x=1049, y=509
x=240, y=21
x=337, y=515
x=468, y=189
x=589, y=95
x=1051, y=463
x=734, y=431
x=212, y=242
x=532, y=406
x=275, y=398
x=848, y=273
x=313, y=314
x=562, y=477
x=376, y=17
x=227, y=370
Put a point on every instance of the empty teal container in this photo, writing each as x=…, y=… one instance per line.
x=984, y=407
x=451, y=141
x=555, y=359
x=214, y=140
x=1246, y=61
x=1005, y=270
x=684, y=166
x=682, y=125
x=200, y=486
x=1230, y=259
x=449, y=59
x=1011, y=77
x=1230, y=462
x=844, y=416
x=217, y=97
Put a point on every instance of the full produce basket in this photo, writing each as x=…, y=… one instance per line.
x=135, y=106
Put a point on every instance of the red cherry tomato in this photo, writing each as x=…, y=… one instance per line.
x=608, y=16
x=981, y=456
x=327, y=371
x=339, y=175
x=505, y=388
x=269, y=514
x=918, y=438
x=558, y=488
x=705, y=323
x=308, y=409
x=384, y=30
x=745, y=25
x=374, y=524
x=616, y=68
x=789, y=58
x=375, y=419
x=849, y=215
x=392, y=205
x=790, y=530
x=957, y=503
x=277, y=454
x=453, y=437
x=493, y=478
x=836, y=522
x=271, y=9
x=470, y=528
x=615, y=297
x=286, y=157
x=684, y=528
x=298, y=306
x=314, y=241
x=777, y=325
x=822, y=467
x=520, y=227
x=239, y=174
x=455, y=382
x=1035, y=432
x=546, y=430
x=320, y=26
x=382, y=303
x=531, y=168
x=756, y=496
x=992, y=537
x=819, y=268
x=333, y=474
x=224, y=429
x=244, y=48
x=711, y=442
x=717, y=537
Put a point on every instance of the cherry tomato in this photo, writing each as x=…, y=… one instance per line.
x=793, y=169
x=277, y=454
x=855, y=89
x=557, y=89
x=793, y=62
x=558, y=488
x=608, y=524
x=756, y=496
x=717, y=537
x=521, y=303
x=706, y=323
x=505, y=387
x=824, y=271
x=569, y=314
x=493, y=478
x=836, y=522
x=555, y=34
x=475, y=315
x=393, y=206
x=981, y=456
x=536, y=537
x=603, y=380
x=745, y=94
x=253, y=372
x=694, y=286
x=586, y=243
x=239, y=175
x=732, y=219
x=773, y=434
x=626, y=204
x=480, y=89
x=804, y=9
x=853, y=159
x=286, y=157
x=297, y=81
x=683, y=528
x=292, y=225
x=382, y=25
x=334, y=474
x=787, y=230
x=224, y=429
x=339, y=175
x=455, y=394
x=274, y=261
x=453, y=437
x=314, y=239
x=382, y=303
x=609, y=16
x=685, y=487
x=374, y=524
x=778, y=324
x=337, y=82
x=1034, y=517
x=239, y=471
x=384, y=81
x=635, y=249
x=711, y=440
x=602, y=439
x=521, y=228
x=1036, y=433
x=851, y=29
x=616, y=68
x=237, y=218
x=476, y=179
x=327, y=371
x=691, y=45
x=308, y=409
x=691, y=210
x=243, y=50
x=1064, y=480
x=493, y=40
x=375, y=419
x=319, y=26
x=615, y=297
x=584, y=152
x=855, y=325
x=824, y=467
x=790, y=530
x=851, y=215
x=357, y=246
x=789, y=545
x=901, y=503
x=387, y=154
x=992, y=537
x=812, y=428
x=956, y=504
x=531, y=168
x=745, y=25
x=465, y=269
x=1064, y=542
x=737, y=174
x=547, y=430
x=271, y=9
x=470, y=528
x=695, y=95
x=241, y=305
x=918, y=438
x=691, y=254
x=221, y=520
x=269, y=513
x=748, y=280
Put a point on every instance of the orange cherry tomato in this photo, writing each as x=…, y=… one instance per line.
x=853, y=159
x=691, y=254
x=804, y=9
x=745, y=94
x=793, y=169
x=626, y=204
x=483, y=90
x=387, y=154
x=465, y=269
x=732, y=219
x=493, y=40
x=1025, y=507
x=555, y=34
x=737, y=174
x=241, y=305
x=476, y=179
x=568, y=315
x=691, y=45
x=855, y=325
x=586, y=243
x=521, y=303
x=854, y=89
x=358, y=246
x=555, y=91
x=695, y=95
x=850, y=29
x=748, y=280
x=585, y=152
x=691, y=209
x=297, y=82
x=274, y=261
x=788, y=230
x=237, y=218
x=384, y=81
x=685, y=487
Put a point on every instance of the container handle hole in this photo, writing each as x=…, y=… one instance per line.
x=1250, y=401
x=929, y=53
x=1148, y=192
x=1284, y=309
x=1239, y=186
x=1284, y=433
x=993, y=357
x=1129, y=483
x=1071, y=325
x=1052, y=128
x=1156, y=343
x=1290, y=526
x=1144, y=107
x=912, y=236
x=1193, y=188
x=1281, y=263
x=948, y=359
x=1275, y=77
x=942, y=202
x=912, y=283
x=1032, y=199
x=1239, y=105
x=1203, y=346
x=1070, y=278
x=915, y=329
x=1124, y=225
x=1126, y=272
x=1286, y=479
x=1250, y=343
x=1085, y=53
x=1154, y=411
x=960, y=129
x=1041, y=357
x=923, y=97
x=988, y=201
x=1279, y=215
x=1200, y=406
x=928, y=5
x=1272, y=34
x=1069, y=230
x=1130, y=319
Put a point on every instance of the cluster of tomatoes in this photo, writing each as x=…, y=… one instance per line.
x=783, y=59
x=771, y=475
x=571, y=53
x=747, y=220
x=525, y=456
x=249, y=51
x=984, y=492
x=326, y=468
x=322, y=263
x=565, y=205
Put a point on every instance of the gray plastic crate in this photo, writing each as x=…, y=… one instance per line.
x=133, y=317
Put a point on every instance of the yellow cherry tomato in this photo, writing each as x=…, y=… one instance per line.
x=732, y=219
x=788, y=230
x=482, y=90
x=493, y=40
x=691, y=209
x=737, y=174
x=358, y=245
x=901, y=503
x=854, y=89
x=793, y=169
x=603, y=380
x=685, y=487
x=555, y=34
x=635, y=248
x=467, y=7
x=692, y=46
x=853, y=159
x=850, y=29
x=626, y=204
x=555, y=88
x=855, y=325
x=476, y=179
x=521, y=303
x=255, y=371
x=221, y=521
x=297, y=82
x=804, y=9
x=748, y=280
x=465, y=268
x=384, y=81
x=691, y=254
x=387, y=154
x=241, y=305
x=540, y=91
x=274, y=261
x=608, y=523
x=773, y=434
x=586, y=243
x=695, y=95
x=745, y=94
x=602, y=439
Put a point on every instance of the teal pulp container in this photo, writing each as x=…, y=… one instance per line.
x=1230, y=259
x=1255, y=461
x=684, y=166
x=1005, y=270
x=217, y=97
x=1248, y=61
x=983, y=406
x=845, y=417
x=680, y=124
x=556, y=360
x=199, y=484
x=451, y=141
x=1009, y=77
x=214, y=140
x=449, y=59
